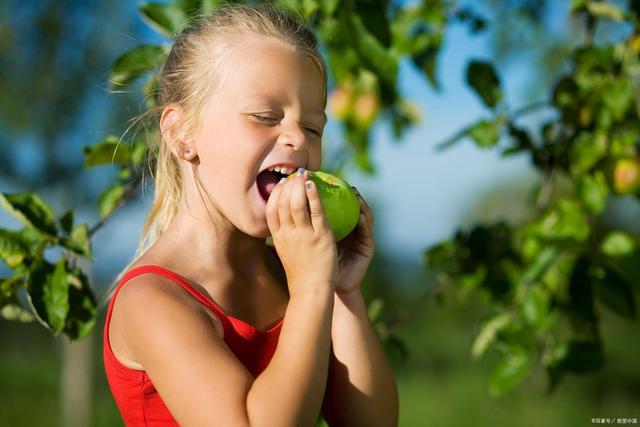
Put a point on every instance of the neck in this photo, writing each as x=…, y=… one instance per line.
x=229, y=255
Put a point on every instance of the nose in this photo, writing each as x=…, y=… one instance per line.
x=293, y=135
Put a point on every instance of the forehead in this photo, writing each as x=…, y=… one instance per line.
x=266, y=70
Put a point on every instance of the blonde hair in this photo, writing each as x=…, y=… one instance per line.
x=195, y=62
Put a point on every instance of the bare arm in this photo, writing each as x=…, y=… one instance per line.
x=361, y=389
x=290, y=390
x=201, y=381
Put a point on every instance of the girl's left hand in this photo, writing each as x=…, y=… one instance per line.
x=356, y=251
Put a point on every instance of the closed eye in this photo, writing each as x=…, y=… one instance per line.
x=273, y=120
x=265, y=119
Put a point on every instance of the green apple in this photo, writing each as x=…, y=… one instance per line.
x=339, y=202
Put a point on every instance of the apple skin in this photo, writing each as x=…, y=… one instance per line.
x=626, y=175
x=339, y=202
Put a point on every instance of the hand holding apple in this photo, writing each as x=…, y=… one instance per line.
x=356, y=251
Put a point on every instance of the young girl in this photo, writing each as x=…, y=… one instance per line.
x=214, y=327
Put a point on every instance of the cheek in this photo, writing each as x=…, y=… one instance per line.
x=315, y=157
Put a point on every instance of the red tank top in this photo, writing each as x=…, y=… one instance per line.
x=134, y=393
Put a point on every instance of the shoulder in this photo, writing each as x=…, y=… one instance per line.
x=150, y=294
x=144, y=304
x=170, y=334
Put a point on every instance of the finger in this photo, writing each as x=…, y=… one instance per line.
x=284, y=209
x=364, y=227
x=271, y=211
x=318, y=220
x=299, y=209
x=364, y=207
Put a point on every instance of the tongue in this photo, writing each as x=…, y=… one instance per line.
x=266, y=182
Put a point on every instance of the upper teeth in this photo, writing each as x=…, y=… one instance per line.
x=283, y=170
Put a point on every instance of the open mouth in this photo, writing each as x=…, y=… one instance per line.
x=267, y=181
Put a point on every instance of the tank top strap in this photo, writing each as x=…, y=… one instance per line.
x=176, y=278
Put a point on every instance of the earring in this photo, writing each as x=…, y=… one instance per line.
x=185, y=151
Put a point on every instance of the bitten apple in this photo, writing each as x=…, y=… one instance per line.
x=339, y=202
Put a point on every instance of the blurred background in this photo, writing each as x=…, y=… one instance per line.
x=55, y=98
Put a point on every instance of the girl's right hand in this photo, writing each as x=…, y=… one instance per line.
x=301, y=234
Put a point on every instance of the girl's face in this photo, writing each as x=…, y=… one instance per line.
x=268, y=112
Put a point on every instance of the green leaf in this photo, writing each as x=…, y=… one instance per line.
x=488, y=333
x=522, y=140
x=486, y=133
x=618, y=97
x=83, y=311
x=593, y=190
x=614, y=292
x=110, y=198
x=31, y=236
x=443, y=257
x=136, y=62
x=509, y=372
x=539, y=265
x=535, y=307
x=578, y=5
x=374, y=17
x=106, y=151
x=586, y=150
x=12, y=249
x=618, y=244
x=79, y=241
x=138, y=153
x=371, y=51
x=605, y=10
x=66, y=221
x=426, y=58
x=39, y=276
x=565, y=221
x=56, y=296
x=31, y=210
x=167, y=18
x=483, y=78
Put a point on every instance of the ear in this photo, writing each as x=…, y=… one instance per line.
x=170, y=119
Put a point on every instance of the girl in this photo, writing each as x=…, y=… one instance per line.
x=214, y=327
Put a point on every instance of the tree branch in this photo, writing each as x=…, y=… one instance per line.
x=512, y=116
x=128, y=194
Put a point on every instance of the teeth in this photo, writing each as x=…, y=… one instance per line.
x=285, y=170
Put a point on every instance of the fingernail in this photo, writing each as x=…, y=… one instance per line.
x=308, y=185
x=300, y=171
x=283, y=180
